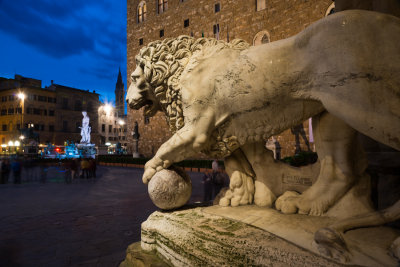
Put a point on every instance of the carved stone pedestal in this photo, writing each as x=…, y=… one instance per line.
x=249, y=236
x=135, y=152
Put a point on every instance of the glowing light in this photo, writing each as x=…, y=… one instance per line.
x=10, y=143
x=22, y=137
x=3, y=145
x=108, y=144
x=108, y=108
x=121, y=122
x=21, y=96
x=17, y=143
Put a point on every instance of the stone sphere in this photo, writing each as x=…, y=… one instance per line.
x=170, y=189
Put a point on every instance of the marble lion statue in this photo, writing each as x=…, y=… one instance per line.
x=225, y=99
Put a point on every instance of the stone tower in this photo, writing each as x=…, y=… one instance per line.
x=120, y=95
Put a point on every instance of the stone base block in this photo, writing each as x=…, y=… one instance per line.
x=251, y=236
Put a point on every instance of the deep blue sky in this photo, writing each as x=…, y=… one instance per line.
x=77, y=43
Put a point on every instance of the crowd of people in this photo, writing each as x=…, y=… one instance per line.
x=80, y=168
x=11, y=170
x=7, y=166
x=213, y=179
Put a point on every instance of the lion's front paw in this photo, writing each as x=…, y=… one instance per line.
x=148, y=174
x=152, y=166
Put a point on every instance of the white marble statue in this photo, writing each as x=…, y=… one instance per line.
x=85, y=129
x=226, y=99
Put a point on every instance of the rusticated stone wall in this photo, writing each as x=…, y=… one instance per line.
x=236, y=19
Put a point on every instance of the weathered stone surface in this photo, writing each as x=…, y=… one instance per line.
x=195, y=238
x=169, y=189
x=137, y=257
x=252, y=236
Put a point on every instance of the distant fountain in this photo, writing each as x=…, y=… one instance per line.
x=85, y=148
x=71, y=150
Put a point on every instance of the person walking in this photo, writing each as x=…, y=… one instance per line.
x=74, y=168
x=215, y=166
x=92, y=168
x=220, y=179
x=207, y=185
x=16, y=168
x=85, y=168
x=5, y=170
x=1, y=176
x=67, y=171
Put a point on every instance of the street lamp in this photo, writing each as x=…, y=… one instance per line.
x=121, y=124
x=21, y=96
x=107, y=108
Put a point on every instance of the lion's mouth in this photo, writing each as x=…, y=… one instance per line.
x=137, y=104
x=149, y=108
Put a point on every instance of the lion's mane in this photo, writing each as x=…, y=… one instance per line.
x=163, y=62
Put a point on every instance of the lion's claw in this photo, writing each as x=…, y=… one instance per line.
x=152, y=166
x=148, y=174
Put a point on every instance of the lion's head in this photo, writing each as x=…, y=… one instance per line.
x=155, y=83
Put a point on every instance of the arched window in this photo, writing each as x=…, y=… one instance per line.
x=261, y=37
x=141, y=12
x=330, y=10
x=162, y=6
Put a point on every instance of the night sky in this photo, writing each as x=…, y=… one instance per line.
x=77, y=43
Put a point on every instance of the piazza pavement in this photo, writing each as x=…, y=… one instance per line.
x=84, y=223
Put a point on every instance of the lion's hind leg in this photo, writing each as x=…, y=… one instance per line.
x=342, y=164
x=331, y=243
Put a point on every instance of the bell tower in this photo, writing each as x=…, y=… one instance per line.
x=119, y=95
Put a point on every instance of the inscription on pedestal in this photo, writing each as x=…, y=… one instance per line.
x=296, y=180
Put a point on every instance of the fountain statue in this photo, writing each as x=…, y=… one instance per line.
x=85, y=129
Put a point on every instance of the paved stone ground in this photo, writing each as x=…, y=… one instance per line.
x=86, y=223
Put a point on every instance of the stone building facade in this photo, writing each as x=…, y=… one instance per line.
x=112, y=128
x=54, y=113
x=70, y=104
x=256, y=21
x=112, y=120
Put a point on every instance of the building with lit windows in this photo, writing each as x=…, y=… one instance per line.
x=112, y=128
x=51, y=114
x=256, y=22
x=112, y=120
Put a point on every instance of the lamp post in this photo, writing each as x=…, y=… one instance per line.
x=105, y=112
x=21, y=96
x=121, y=124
